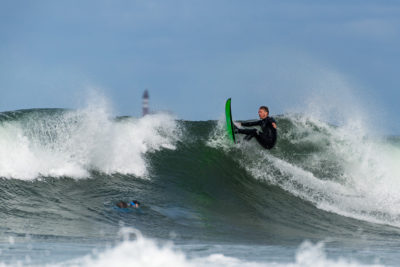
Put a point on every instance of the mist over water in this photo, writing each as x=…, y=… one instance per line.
x=62, y=171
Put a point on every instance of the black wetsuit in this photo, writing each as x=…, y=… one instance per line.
x=267, y=137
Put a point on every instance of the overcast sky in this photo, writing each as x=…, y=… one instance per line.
x=192, y=55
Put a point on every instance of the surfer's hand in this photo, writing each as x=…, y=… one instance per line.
x=238, y=124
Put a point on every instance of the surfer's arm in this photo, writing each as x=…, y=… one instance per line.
x=251, y=123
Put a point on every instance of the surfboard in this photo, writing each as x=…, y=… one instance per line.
x=229, y=122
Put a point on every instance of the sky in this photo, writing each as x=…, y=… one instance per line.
x=193, y=54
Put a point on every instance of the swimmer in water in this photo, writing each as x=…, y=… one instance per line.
x=133, y=204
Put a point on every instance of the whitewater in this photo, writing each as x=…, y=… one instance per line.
x=326, y=195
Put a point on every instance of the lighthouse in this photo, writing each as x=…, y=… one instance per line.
x=145, y=103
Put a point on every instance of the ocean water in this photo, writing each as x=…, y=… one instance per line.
x=324, y=196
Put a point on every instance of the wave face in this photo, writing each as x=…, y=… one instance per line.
x=62, y=171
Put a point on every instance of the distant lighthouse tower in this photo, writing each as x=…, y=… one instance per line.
x=145, y=105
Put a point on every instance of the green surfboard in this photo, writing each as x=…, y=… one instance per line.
x=229, y=121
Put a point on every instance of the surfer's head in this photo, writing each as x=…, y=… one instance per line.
x=134, y=204
x=263, y=112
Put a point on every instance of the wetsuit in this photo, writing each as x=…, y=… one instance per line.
x=266, y=138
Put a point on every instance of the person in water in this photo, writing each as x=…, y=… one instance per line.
x=123, y=205
x=267, y=137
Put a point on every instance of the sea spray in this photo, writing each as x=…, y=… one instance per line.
x=72, y=143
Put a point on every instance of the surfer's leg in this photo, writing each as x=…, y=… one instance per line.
x=250, y=133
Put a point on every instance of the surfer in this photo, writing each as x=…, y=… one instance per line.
x=267, y=137
x=123, y=205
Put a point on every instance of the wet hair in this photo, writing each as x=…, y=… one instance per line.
x=122, y=205
x=265, y=108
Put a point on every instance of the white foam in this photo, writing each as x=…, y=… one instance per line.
x=218, y=137
x=365, y=185
x=74, y=142
x=146, y=252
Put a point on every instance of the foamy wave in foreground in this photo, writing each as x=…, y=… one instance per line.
x=146, y=252
x=72, y=143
